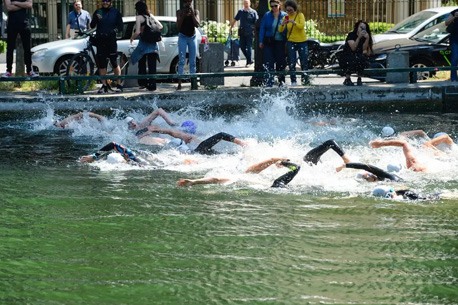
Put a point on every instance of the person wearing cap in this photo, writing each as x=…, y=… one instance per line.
x=204, y=147
x=411, y=161
x=281, y=181
x=77, y=117
x=402, y=193
x=134, y=125
x=388, y=131
x=372, y=173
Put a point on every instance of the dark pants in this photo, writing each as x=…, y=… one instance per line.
x=152, y=60
x=206, y=146
x=13, y=31
x=275, y=55
x=246, y=45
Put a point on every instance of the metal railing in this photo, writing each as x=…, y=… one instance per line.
x=194, y=77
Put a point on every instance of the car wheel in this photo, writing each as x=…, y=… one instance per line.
x=174, y=65
x=422, y=63
x=60, y=68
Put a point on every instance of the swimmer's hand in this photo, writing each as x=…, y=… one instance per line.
x=87, y=159
x=338, y=169
x=279, y=161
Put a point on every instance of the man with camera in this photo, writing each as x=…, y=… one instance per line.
x=247, y=17
x=108, y=21
x=187, y=21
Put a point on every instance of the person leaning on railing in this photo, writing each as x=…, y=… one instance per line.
x=272, y=42
x=452, y=27
x=293, y=25
x=358, y=46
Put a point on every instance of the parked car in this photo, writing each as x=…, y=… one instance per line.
x=53, y=57
x=430, y=48
x=416, y=23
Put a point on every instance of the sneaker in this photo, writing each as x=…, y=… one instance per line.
x=32, y=74
x=7, y=74
x=348, y=82
x=119, y=88
x=359, y=82
x=103, y=89
x=293, y=84
x=248, y=65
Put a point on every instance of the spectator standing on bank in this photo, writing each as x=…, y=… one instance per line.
x=146, y=52
x=294, y=26
x=108, y=21
x=452, y=21
x=357, y=48
x=247, y=17
x=18, y=23
x=79, y=20
x=187, y=21
x=272, y=41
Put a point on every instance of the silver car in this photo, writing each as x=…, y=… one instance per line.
x=53, y=57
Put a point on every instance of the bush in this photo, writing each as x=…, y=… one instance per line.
x=2, y=46
x=217, y=31
x=379, y=27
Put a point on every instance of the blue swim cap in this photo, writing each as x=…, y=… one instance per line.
x=188, y=127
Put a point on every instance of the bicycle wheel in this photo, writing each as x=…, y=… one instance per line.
x=123, y=63
x=80, y=64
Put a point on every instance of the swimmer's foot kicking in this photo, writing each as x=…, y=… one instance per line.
x=256, y=169
x=314, y=155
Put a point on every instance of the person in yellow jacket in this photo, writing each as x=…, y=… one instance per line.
x=294, y=25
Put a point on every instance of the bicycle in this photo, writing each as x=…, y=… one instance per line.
x=84, y=63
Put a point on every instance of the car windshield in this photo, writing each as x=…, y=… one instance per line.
x=411, y=22
x=434, y=34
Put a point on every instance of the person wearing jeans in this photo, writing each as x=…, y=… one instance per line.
x=451, y=21
x=18, y=23
x=272, y=42
x=247, y=17
x=294, y=24
x=187, y=21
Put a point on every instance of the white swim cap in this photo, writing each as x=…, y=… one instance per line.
x=439, y=134
x=394, y=167
x=129, y=119
x=115, y=158
x=387, y=131
x=184, y=148
x=175, y=142
x=359, y=175
x=381, y=191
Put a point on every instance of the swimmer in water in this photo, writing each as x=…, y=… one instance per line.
x=411, y=161
x=372, y=173
x=388, y=132
x=204, y=147
x=401, y=194
x=281, y=181
x=103, y=153
x=134, y=125
x=76, y=117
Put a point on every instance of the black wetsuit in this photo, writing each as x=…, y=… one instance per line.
x=124, y=151
x=381, y=174
x=283, y=180
x=206, y=146
x=314, y=155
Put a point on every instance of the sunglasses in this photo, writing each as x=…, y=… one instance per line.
x=106, y=0
x=274, y=6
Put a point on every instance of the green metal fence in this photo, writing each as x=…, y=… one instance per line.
x=62, y=80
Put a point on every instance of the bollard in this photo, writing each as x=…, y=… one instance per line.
x=211, y=60
x=398, y=59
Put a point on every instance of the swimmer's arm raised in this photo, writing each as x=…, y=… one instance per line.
x=153, y=115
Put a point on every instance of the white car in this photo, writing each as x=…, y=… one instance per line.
x=416, y=23
x=53, y=57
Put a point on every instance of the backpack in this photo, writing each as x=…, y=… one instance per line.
x=151, y=33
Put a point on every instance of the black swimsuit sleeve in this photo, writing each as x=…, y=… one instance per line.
x=381, y=174
x=286, y=178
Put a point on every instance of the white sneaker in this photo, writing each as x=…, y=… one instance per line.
x=294, y=84
x=32, y=74
x=6, y=75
